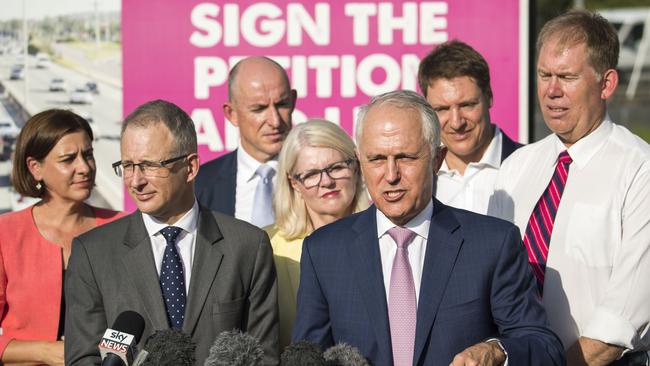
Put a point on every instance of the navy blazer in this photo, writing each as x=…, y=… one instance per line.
x=216, y=184
x=476, y=284
x=508, y=146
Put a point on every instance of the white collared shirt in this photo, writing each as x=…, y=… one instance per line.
x=416, y=250
x=472, y=190
x=597, y=281
x=185, y=242
x=247, y=183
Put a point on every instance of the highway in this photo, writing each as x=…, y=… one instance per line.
x=105, y=111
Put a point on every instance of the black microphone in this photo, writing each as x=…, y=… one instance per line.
x=168, y=347
x=117, y=346
x=234, y=348
x=344, y=355
x=302, y=353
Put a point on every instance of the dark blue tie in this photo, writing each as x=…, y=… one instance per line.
x=172, y=280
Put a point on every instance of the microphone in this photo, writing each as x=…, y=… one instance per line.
x=302, y=353
x=344, y=355
x=234, y=348
x=117, y=346
x=168, y=347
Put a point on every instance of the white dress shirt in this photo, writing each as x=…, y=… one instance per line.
x=185, y=242
x=247, y=183
x=598, y=271
x=471, y=191
x=416, y=250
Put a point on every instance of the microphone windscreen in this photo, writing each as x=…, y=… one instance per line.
x=169, y=347
x=344, y=355
x=130, y=322
x=234, y=348
x=302, y=353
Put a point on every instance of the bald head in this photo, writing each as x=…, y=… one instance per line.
x=252, y=68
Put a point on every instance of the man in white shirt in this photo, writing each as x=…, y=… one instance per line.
x=583, y=193
x=173, y=261
x=455, y=80
x=260, y=103
x=411, y=281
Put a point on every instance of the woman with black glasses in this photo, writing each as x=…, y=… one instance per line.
x=319, y=182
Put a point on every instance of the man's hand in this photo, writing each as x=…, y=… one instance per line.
x=480, y=354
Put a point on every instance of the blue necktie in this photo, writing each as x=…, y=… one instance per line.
x=172, y=279
x=262, y=206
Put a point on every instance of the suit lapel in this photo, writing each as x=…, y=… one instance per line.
x=443, y=245
x=141, y=268
x=207, y=259
x=366, y=264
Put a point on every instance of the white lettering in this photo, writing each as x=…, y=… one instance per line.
x=208, y=72
x=299, y=20
x=202, y=17
x=360, y=13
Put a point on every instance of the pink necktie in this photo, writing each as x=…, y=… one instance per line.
x=402, y=305
x=540, y=223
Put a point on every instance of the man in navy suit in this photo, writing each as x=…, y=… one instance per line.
x=411, y=281
x=260, y=103
x=455, y=80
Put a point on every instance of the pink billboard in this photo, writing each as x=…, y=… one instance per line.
x=338, y=54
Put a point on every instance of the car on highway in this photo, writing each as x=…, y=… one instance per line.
x=17, y=72
x=57, y=84
x=92, y=87
x=81, y=95
x=42, y=61
x=8, y=130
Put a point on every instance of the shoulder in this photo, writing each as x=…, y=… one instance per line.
x=19, y=218
x=528, y=152
x=233, y=229
x=474, y=223
x=630, y=144
x=104, y=215
x=340, y=232
x=111, y=229
x=222, y=162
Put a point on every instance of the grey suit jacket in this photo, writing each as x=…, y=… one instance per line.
x=112, y=269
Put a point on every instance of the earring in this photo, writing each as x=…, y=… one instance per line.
x=39, y=186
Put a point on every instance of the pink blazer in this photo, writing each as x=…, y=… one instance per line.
x=31, y=278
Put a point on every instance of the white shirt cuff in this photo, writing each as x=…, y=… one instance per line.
x=610, y=328
x=498, y=342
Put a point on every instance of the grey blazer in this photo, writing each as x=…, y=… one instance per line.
x=112, y=269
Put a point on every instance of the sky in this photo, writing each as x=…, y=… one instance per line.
x=38, y=9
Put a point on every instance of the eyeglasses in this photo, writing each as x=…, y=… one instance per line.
x=339, y=170
x=147, y=168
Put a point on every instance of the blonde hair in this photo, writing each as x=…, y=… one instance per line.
x=290, y=209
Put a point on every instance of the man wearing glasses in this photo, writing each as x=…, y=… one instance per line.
x=173, y=261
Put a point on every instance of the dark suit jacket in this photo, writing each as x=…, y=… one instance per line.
x=216, y=184
x=476, y=284
x=508, y=146
x=112, y=269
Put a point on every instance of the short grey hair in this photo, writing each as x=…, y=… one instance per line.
x=410, y=100
x=173, y=117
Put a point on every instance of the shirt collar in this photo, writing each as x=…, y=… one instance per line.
x=491, y=157
x=247, y=165
x=419, y=224
x=584, y=149
x=188, y=222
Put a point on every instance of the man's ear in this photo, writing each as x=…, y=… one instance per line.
x=193, y=164
x=610, y=82
x=441, y=152
x=230, y=113
x=34, y=167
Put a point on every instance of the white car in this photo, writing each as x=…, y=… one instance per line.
x=81, y=96
x=57, y=84
x=42, y=61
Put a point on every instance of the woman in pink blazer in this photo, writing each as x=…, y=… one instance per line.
x=54, y=162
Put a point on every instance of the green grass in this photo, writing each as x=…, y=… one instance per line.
x=98, y=52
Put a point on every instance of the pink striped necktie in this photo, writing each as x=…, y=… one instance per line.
x=402, y=304
x=540, y=224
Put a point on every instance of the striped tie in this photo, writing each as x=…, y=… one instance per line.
x=540, y=224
